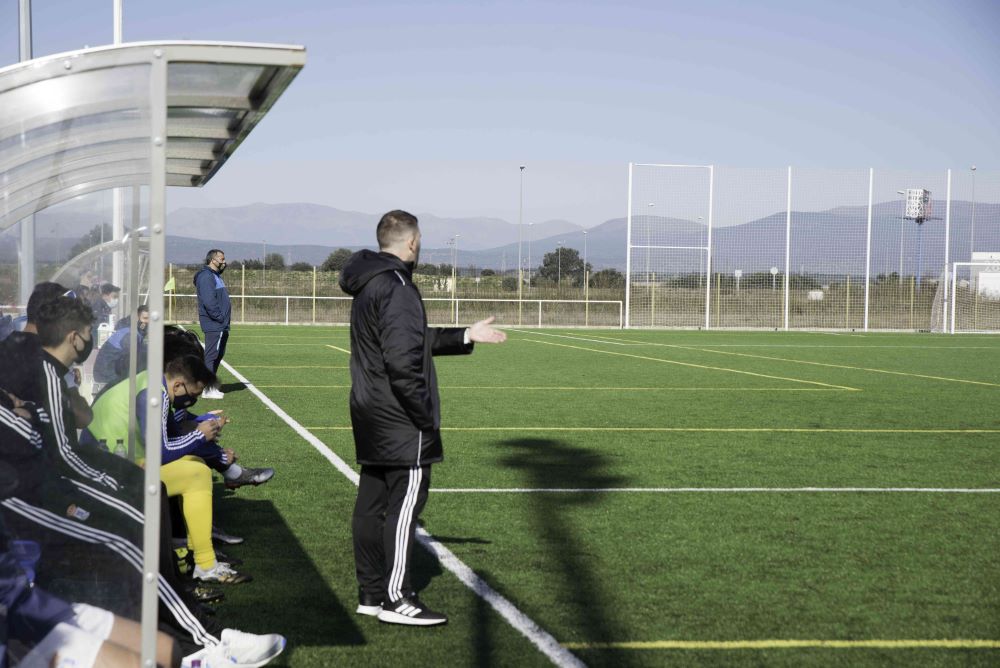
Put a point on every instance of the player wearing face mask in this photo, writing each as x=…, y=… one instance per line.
x=65, y=332
x=214, y=313
x=105, y=307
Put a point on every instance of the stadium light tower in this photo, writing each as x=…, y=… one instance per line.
x=918, y=209
x=972, y=233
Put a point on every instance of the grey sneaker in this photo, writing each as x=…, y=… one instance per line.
x=250, y=477
x=221, y=573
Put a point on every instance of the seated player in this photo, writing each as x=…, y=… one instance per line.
x=37, y=500
x=112, y=360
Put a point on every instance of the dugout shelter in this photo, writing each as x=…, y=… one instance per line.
x=117, y=125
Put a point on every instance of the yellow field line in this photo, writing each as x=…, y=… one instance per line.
x=697, y=366
x=279, y=366
x=790, y=644
x=340, y=349
x=824, y=364
x=588, y=389
x=843, y=366
x=640, y=342
x=790, y=430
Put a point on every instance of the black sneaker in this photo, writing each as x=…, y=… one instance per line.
x=228, y=558
x=204, y=594
x=369, y=604
x=411, y=612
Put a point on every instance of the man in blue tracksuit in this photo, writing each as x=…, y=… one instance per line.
x=214, y=313
x=111, y=365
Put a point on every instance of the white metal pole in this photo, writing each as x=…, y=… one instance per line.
x=954, y=274
x=972, y=233
x=118, y=194
x=529, y=257
x=520, y=226
x=118, y=22
x=628, y=250
x=868, y=244
x=708, y=260
x=27, y=248
x=902, y=221
x=154, y=363
x=947, y=250
x=788, y=245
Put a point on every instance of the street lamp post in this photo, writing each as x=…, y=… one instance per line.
x=454, y=275
x=559, y=268
x=972, y=234
x=902, y=220
x=520, y=225
x=529, y=257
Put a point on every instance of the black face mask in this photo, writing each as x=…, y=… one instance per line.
x=222, y=268
x=88, y=347
x=184, y=402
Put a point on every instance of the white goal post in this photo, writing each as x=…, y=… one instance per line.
x=975, y=296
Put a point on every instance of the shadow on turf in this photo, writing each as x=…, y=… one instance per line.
x=226, y=388
x=547, y=463
x=288, y=594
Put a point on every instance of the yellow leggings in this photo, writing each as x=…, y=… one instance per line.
x=189, y=478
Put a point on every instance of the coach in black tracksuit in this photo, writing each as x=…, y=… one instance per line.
x=395, y=414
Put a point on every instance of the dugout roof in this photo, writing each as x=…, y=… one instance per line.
x=83, y=121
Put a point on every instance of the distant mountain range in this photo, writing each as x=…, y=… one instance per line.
x=831, y=241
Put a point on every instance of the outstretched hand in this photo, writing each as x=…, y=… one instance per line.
x=482, y=332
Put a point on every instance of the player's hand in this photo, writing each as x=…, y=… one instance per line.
x=220, y=415
x=230, y=455
x=210, y=429
x=482, y=332
x=77, y=375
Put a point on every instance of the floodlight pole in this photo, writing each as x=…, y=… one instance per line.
x=972, y=233
x=529, y=257
x=520, y=225
x=902, y=222
x=27, y=249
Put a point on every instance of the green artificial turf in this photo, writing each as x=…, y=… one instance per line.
x=606, y=409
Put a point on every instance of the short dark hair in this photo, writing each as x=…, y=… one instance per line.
x=395, y=226
x=210, y=255
x=42, y=293
x=191, y=368
x=142, y=309
x=60, y=316
x=178, y=342
x=108, y=288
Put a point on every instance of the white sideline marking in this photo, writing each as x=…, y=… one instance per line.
x=538, y=636
x=715, y=490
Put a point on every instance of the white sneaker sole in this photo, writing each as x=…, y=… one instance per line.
x=369, y=610
x=390, y=617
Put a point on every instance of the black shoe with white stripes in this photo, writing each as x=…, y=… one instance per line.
x=411, y=612
x=369, y=604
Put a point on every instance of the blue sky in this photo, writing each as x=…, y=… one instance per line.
x=431, y=106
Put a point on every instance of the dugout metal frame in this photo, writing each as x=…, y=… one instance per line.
x=69, y=127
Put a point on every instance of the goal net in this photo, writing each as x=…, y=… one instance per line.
x=975, y=305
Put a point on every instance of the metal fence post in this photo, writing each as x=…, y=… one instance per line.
x=947, y=249
x=788, y=244
x=286, y=310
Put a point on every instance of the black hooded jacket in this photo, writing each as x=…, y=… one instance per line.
x=395, y=409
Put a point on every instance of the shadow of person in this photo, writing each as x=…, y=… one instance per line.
x=554, y=464
x=226, y=388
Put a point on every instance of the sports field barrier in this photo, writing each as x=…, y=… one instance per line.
x=321, y=310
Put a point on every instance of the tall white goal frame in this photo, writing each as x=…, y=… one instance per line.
x=629, y=247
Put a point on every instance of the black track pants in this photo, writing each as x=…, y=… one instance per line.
x=385, y=520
